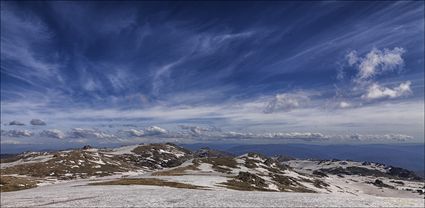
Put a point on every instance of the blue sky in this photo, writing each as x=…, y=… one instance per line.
x=270, y=72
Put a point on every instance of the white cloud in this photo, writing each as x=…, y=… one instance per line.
x=286, y=102
x=89, y=133
x=375, y=138
x=38, y=122
x=352, y=58
x=17, y=133
x=194, y=130
x=314, y=136
x=405, y=116
x=155, y=130
x=211, y=135
x=276, y=135
x=207, y=134
x=376, y=61
x=344, y=104
x=375, y=91
x=9, y=141
x=134, y=132
x=53, y=133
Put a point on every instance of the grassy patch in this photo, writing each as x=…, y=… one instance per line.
x=242, y=186
x=9, y=159
x=157, y=154
x=257, y=155
x=249, y=163
x=176, y=171
x=246, y=181
x=148, y=182
x=286, y=183
x=12, y=183
x=381, y=184
x=221, y=164
x=319, y=184
x=222, y=161
x=69, y=166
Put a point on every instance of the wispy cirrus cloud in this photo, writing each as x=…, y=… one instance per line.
x=89, y=74
x=21, y=36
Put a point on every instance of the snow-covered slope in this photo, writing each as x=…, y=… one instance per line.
x=361, y=177
x=77, y=194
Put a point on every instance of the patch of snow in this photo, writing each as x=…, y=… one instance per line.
x=99, y=161
x=273, y=186
x=205, y=167
x=76, y=194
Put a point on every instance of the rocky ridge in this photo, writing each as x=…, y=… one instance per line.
x=206, y=169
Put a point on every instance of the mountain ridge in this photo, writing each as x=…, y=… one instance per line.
x=167, y=164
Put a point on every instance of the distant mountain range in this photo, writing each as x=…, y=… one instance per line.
x=409, y=156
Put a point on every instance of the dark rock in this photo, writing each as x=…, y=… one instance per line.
x=335, y=171
x=159, y=155
x=320, y=173
x=402, y=173
x=207, y=152
x=398, y=182
x=353, y=170
x=366, y=163
x=87, y=147
x=251, y=179
x=320, y=184
x=254, y=154
x=381, y=184
x=284, y=158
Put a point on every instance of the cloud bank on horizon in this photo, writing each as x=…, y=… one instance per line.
x=258, y=72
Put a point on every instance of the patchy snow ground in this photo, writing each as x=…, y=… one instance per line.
x=310, y=165
x=77, y=194
x=36, y=159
